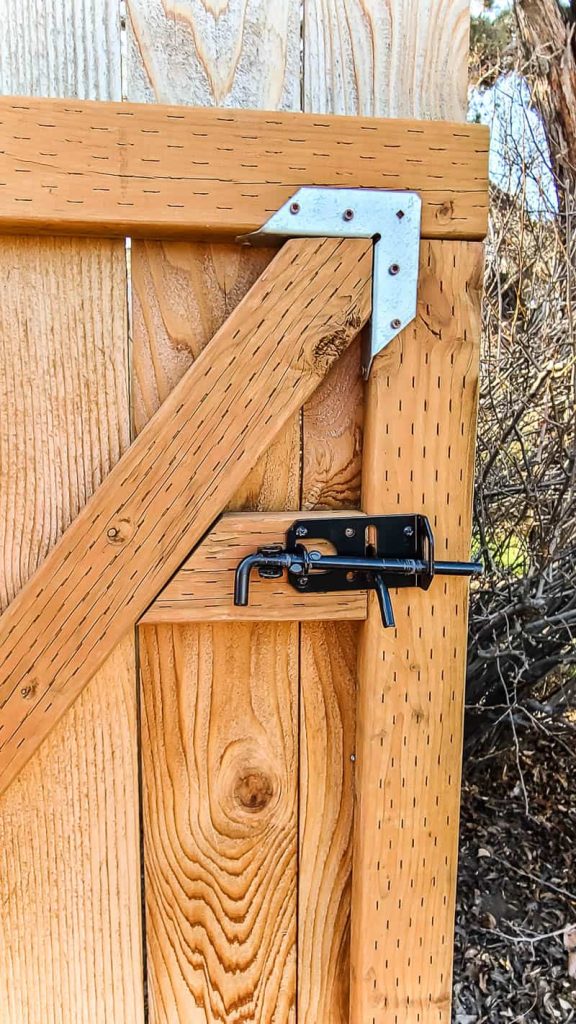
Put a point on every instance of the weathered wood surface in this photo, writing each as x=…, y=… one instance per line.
x=70, y=947
x=203, y=588
x=175, y=479
x=215, y=55
x=156, y=171
x=66, y=48
x=183, y=291
x=420, y=425
x=387, y=58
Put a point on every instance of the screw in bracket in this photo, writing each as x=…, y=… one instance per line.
x=301, y=531
x=303, y=581
x=408, y=531
x=294, y=207
x=394, y=269
x=348, y=215
x=395, y=323
x=349, y=531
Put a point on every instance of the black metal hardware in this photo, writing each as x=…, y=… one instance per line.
x=372, y=553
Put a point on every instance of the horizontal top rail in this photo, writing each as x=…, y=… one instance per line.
x=84, y=167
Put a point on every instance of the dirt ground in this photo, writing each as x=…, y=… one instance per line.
x=517, y=883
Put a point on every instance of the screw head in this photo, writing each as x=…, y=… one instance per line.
x=395, y=323
x=408, y=531
x=112, y=533
x=348, y=215
x=394, y=269
x=349, y=531
x=303, y=581
x=400, y=214
x=301, y=531
x=294, y=207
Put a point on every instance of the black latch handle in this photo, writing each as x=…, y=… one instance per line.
x=385, y=601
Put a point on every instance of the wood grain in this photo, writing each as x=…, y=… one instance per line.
x=182, y=293
x=64, y=387
x=421, y=410
x=207, y=41
x=332, y=427
x=175, y=479
x=160, y=171
x=203, y=588
x=70, y=947
x=215, y=55
x=387, y=58
x=60, y=48
x=220, y=807
x=327, y=720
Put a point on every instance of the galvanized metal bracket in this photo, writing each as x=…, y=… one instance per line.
x=391, y=219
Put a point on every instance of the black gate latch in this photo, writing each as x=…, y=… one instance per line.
x=372, y=553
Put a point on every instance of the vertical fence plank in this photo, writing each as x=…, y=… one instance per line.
x=332, y=462
x=219, y=703
x=70, y=938
x=411, y=60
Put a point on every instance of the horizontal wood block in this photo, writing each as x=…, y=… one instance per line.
x=203, y=589
x=166, y=491
x=75, y=167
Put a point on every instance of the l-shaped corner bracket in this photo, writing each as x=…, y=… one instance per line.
x=392, y=219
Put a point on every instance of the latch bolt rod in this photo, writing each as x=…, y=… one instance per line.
x=301, y=563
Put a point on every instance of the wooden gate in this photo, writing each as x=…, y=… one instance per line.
x=283, y=788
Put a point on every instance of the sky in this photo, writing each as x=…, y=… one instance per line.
x=519, y=158
x=477, y=7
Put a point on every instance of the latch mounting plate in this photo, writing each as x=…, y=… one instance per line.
x=390, y=537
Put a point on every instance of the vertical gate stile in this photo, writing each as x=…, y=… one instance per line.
x=418, y=455
x=71, y=940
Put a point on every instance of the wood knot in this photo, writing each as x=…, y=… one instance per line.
x=445, y=212
x=254, y=790
x=330, y=346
